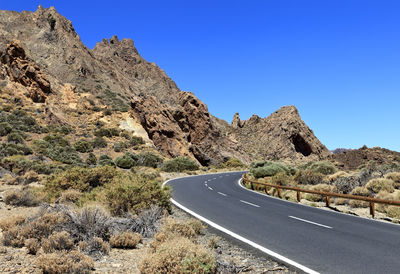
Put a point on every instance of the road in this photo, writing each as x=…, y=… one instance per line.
x=316, y=239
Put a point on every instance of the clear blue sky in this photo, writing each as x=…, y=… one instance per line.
x=337, y=61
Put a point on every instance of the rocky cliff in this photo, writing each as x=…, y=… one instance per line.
x=43, y=55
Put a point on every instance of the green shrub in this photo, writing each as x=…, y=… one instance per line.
x=120, y=146
x=149, y=159
x=105, y=160
x=66, y=155
x=79, y=178
x=325, y=168
x=107, y=112
x=56, y=140
x=15, y=137
x=281, y=179
x=9, y=149
x=91, y=159
x=231, y=163
x=5, y=128
x=99, y=142
x=179, y=164
x=106, y=132
x=269, y=169
x=130, y=193
x=40, y=146
x=83, y=146
x=127, y=161
x=20, y=120
x=125, y=135
x=136, y=140
x=17, y=164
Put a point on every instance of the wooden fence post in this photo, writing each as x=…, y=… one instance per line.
x=327, y=201
x=251, y=186
x=279, y=192
x=372, y=209
x=298, y=196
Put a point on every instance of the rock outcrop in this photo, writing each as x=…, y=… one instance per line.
x=18, y=68
x=282, y=135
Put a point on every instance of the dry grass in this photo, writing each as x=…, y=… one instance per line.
x=359, y=191
x=125, y=240
x=70, y=196
x=380, y=184
x=63, y=262
x=196, y=225
x=395, y=177
x=319, y=187
x=393, y=212
x=32, y=245
x=341, y=201
x=179, y=255
x=332, y=178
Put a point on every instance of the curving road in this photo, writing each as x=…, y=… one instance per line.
x=311, y=239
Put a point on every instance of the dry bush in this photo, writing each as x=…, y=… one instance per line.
x=309, y=177
x=148, y=222
x=213, y=242
x=57, y=241
x=395, y=177
x=96, y=247
x=393, y=212
x=125, y=240
x=359, y=191
x=63, y=262
x=70, y=196
x=23, y=197
x=281, y=179
x=319, y=187
x=196, y=225
x=178, y=228
x=341, y=201
x=12, y=221
x=384, y=195
x=179, y=255
x=333, y=177
x=38, y=228
x=32, y=245
x=379, y=184
x=30, y=177
x=289, y=195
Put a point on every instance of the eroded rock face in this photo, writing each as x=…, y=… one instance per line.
x=282, y=135
x=20, y=69
x=187, y=129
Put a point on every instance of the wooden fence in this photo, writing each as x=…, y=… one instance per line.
x=372, y=201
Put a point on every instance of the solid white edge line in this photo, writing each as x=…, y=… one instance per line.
x=249, y=203
x=237, y=236
x=307, y=221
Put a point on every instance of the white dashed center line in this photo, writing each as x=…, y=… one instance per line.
x=249, y=203
x=306, y=221
x=210, y=188
x=223, y=194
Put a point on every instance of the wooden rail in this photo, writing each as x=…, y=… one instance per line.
x=327, y=195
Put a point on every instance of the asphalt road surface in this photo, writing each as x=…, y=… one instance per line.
x=320, y=240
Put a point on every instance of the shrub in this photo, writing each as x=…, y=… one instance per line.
x=305, y=177
x=99, y=142
x=179, y=255
x=196, y=225
x=57, y=241
x=91, y=159
x=32, y=245
x=97, y=247
x=65, y=155
x=136, y=141
x=21, y=198
x=319, y=187
x=106, y=132
x=232, y=163
x=79, y=178
x=120, y=146
x=359, y=191
x=15, y=137
x=148, y=221
x=105, y=160
x=107, y=112
x=56, y=140
x=267, y=169
x=379, y=184
x=148, y=159
x=325, y=168
x=393, y=212
x=5, y=128
x=281, y=179
x=129, y=193
x=63, y=262
x=70, y=196
x=10, y=149
x=179, y=164
x=395, y=177
x=125, y=240
x=127, y=161
x=83, y=146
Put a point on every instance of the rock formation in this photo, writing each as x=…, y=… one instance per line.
x=52, y=63
x=282, y=135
